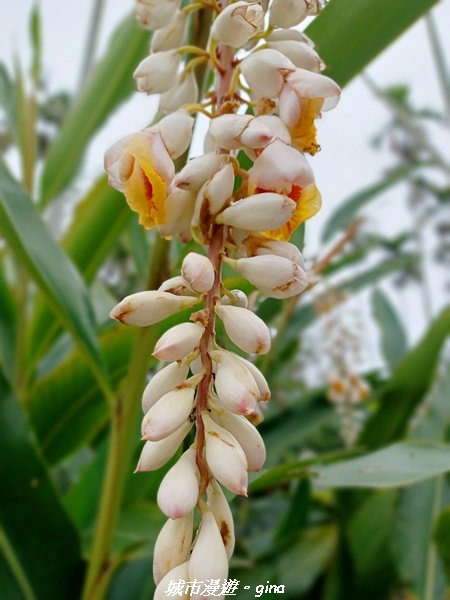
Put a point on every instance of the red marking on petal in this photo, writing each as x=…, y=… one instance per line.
x=296, y=193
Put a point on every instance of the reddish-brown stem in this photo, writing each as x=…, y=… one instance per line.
x=225, y=55
x=212, y=297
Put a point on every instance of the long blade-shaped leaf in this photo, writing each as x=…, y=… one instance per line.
x=102, y=210
x=407, y=387
x=53, y=272
x=110, y=84
x=37, y=539
x=349, y=34
x=395, y=466
x=393, y=336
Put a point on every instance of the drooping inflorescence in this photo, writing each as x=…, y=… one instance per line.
x=262, y=105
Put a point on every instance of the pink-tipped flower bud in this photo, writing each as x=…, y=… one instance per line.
x=172, y=545
x=225, y=457
x=162, y=382
x=155, y=454
x=208, y=559
x=284, y=249
x=261, y=382
x=198, y=272
x=245, y=329
x=178, y=492
x=221, y=510
x=169, y=413
x=237, y=131
x=155, y=74
x=258, y=212
x=237, y=22
x=235, y=386
x=248, y=437
x=176, y=285
x=198, y=170
x=178, y=341
x=299, y=52
x=235, y=298
x=275, y=276
x=146, y=308
x=179, y=573
x=264, y=71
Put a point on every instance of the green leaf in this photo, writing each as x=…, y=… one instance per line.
x=421, y=504
x=407, y=387
x=37, y=539
x=8, y=328
x=55, y=275
x=36, y=42
x=393, y=336
x=313, y=552
x=110, y=83
x=103, y=209
x=347, y=210
x=66, y=406
x=350, y=34
x=442, y=537
x=395, y=466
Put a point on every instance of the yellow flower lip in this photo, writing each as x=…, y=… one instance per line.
x=145, y=190
x=308, y=200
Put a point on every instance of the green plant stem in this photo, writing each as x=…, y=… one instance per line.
x=439, y=60
x=123, y=427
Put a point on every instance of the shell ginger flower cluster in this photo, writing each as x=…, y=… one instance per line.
x=268, y=91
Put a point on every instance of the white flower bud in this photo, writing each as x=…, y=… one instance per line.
x=278, y=167
x=236, y=24
x=155, y=454
x=208, y=559
x=287, y=13
x=285, y=249
x=179, y=209
x=146, y=308
x=154, y=14
x=300, y=53
x=198, y=272
x=162, y=382
x=168, y=413
x=179, y=573
x=276, y=276
x=264, y=72
x=236, y=131
x=178, y=341
x=172, y=35
x=172, y=545
x=176, y=285
x=176, y=132
x=178, y=492
x=198, y=170
x=184, y=91
x=235, y=386
x=327, y=88
x=276, y=126
x=225, y=457
x=258, y=212
x=264, y=390
x=211, y=198
x=248, y=437
x=238, y=299
x=219, y=507
x=245, y=329
x=155, y=74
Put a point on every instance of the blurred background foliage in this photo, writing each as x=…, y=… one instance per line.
x=353, y=502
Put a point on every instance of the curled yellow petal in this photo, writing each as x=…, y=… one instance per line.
x=145, y=190
x=304, y=131
x=308, y=201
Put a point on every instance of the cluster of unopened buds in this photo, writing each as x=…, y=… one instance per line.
x=243, y=218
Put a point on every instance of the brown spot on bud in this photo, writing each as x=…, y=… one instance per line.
x=225, y=532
